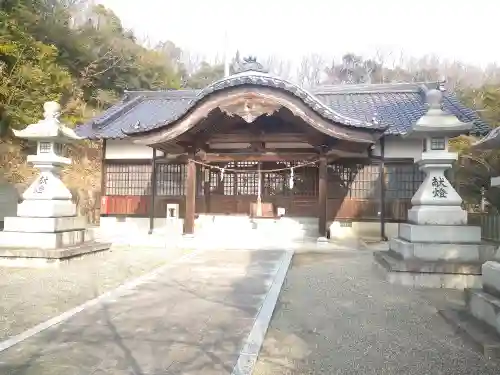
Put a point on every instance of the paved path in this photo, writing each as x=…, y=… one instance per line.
x=29, y=296
x=336, y=315
x=190, y=319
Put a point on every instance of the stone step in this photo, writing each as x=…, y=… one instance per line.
x=440, y=233
x=36, y=257
x=202, y=218
x=277, y=227
x=479, y=334
x=44, y=224
x=484, y=306
x=443, y=251
x=61, y=253
x=491, y=277
x=44, y=240
x=427, y=274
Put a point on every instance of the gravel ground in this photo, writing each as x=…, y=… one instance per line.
x=31, y=296
x=336, y=316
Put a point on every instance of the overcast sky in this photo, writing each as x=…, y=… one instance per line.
x=452, y=29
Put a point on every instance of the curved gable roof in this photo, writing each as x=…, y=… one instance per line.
x=395, y=107
x=263, y=80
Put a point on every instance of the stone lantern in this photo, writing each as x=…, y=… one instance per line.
x=436, y=247
x=46, y=227
x=47, y=196
x=436, y=201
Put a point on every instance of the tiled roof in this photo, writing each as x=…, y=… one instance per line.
x=396, y=107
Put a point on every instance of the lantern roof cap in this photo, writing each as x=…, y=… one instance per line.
x=437, y=121
x=49, y=128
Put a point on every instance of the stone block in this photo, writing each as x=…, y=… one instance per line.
x=393, y=262
x=491, y=277
x=443, y=251
x=61, y=253
x=46, y=208
x=484, y=339
x=437, y=215
x=440, y=233
x=495, y=181
x=484, y=307
x=42, y=240
x=44, y=224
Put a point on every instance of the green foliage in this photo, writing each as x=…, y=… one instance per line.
x=486, y=100
x=47, y=54
x=30, y=75
x=205, y=75
x=475, y=168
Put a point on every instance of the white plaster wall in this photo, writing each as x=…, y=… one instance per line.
x=399, y=148
x=125, y=149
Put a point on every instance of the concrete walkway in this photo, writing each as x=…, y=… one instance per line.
x=192, y=318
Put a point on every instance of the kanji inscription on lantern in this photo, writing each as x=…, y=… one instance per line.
x=439, y=187
x=40, y=187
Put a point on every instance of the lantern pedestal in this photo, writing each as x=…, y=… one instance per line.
x=46, y=229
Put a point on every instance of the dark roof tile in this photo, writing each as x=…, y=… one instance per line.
x=395, y=107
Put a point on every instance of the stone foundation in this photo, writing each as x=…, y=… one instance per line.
x=480, y=320
x=436, y=256
x=459, y=234
x=484, y=304
x=419, y=273
x=437, y=252
x=36, y=257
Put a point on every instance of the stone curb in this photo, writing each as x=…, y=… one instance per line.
x=251, y=349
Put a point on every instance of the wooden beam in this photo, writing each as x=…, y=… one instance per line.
x=272, y=156
x=322, y=193
x=173, y=159
x=190, y=195
x=251, y=151
x=311, y=134
x=247, y=137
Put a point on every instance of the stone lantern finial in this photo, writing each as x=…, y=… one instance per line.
x=434, y=99
x=52, y=110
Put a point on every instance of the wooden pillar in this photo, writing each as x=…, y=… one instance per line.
x=153, y=193
x=259, y=189
x=103, y=168
x=322, y=193
x=190, y=195
x=206, y=188
x=382, y=190
x=103, y=199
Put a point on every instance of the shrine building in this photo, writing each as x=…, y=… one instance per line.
x=253, y=144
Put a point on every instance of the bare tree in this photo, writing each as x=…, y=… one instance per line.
x=191, y=61
x=279, y=67
x=310, y=71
